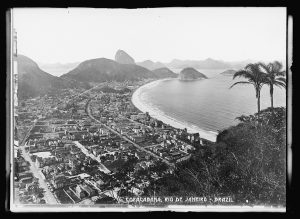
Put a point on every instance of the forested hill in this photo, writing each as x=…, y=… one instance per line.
x=102, y=69
x=32, y=81
x=247, y=163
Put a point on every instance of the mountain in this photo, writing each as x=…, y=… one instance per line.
x=164, y=73
x=190, y=74
x=102, y=69
x=208, y=63
x=32, y=81
x=151, y=65
x=57, y=69
x=228, y=72
x=123, y=58
x=242, y=64
x=198, y=64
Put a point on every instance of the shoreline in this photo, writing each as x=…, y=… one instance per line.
x=158, y=114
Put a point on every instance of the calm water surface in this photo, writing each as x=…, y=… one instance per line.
x=208, y=104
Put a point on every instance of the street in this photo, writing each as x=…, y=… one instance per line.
x=125, y=138
x=85, y=151
x=48, y=195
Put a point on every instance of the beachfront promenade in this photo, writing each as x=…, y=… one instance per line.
x=125, y=138
x=152, y=128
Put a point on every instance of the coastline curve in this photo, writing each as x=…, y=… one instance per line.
x=160, y=115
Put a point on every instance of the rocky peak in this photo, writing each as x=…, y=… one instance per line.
x=123, y=58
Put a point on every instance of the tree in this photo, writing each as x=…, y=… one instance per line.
x=254, y=75
x=275, y=77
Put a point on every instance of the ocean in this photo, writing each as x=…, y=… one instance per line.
x=205, y=106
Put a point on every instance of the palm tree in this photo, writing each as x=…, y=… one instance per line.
x=275, y=76
x=254, y=76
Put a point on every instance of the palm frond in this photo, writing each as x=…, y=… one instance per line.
x=240, y=82
x=253, y=67
x=280, y=82
x=277, y=66
x=244, y=74
x=281, y=79
x=281, y=73
x=265, y=67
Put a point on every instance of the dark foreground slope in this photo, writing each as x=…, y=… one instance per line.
x=102, y=69
x=247, y=163
x=32, y=81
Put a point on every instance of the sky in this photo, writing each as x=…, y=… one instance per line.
x=77, y=34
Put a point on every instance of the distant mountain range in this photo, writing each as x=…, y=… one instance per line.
x=32, y=81
x=198, y=64
x=122, y=57
x=208, y=63
x=188, y=74
x=151, y=65
x=228, y=72
x=58, y=69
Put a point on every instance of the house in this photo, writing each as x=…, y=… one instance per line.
x=137, y=138
x=22, y=165
x=73, y=162
x=26, y=180
x=183, y=158
x=25, y=175
x=80, y=192
x=89, y=191
x=59, y=181
x=39, y=162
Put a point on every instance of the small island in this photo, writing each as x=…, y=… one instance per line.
x=190, y=74
x=229, y=72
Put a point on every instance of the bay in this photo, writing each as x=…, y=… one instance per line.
x=206, y=106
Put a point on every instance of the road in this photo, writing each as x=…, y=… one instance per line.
x=125, y=138
x=28, y=133
x=152, y=145
x=48, y=195
x=85, y=151
x=86, y=91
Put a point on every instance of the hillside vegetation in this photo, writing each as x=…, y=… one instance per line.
x=102, y=69
x=247, y=163
x=164, y=73
x=191, y=74
x=32, y=81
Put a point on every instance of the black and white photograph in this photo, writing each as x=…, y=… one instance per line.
x=149, y=109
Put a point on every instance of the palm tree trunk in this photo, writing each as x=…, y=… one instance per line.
x=258, y=102
x=271, y=94
x=257, y=94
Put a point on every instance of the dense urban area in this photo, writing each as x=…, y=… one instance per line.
x=93, y=146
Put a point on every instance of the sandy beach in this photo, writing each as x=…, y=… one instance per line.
x=158, y=114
